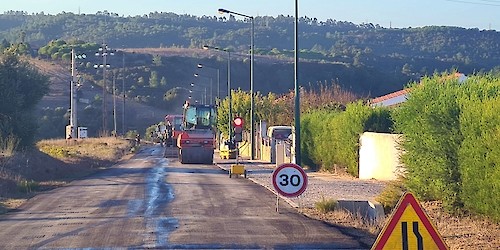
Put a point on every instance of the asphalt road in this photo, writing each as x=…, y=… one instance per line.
x=155, y=202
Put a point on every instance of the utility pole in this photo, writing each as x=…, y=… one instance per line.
x=73, y=119
x=114, y=104
x=104, y=51
x=123, y=90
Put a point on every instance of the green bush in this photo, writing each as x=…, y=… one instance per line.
x=451, y=142
x=314, y=129
x=26, y=186
x=391, y=195
x=429, y=122
x=478, y=155
x=326, y=205
x=131, y=134
x=331, y=138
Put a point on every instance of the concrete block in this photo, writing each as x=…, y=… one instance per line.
x=368, y=210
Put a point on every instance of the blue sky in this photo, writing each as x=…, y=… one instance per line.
x=482, y=14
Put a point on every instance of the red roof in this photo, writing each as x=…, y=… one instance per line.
x=461, y=77
x=390, y=96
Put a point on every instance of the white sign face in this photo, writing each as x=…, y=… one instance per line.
x=289, y=180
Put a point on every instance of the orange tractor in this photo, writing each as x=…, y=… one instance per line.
x=196, y=142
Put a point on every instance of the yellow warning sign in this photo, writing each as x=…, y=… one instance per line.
x=409, y=228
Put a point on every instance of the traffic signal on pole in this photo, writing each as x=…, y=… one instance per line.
x=238, y=129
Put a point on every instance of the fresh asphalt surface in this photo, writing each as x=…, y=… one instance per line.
x=155, y=202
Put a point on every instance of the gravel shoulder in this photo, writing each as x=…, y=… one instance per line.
x=320, y=185
x=459, y=232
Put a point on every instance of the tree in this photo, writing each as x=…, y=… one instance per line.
x=153, y=80
x=140, y=81
x=163, y=81
x=21, y=88
x=157, y=60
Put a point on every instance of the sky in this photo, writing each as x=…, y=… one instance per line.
x=481, y=14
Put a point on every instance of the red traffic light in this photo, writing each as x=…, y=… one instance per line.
x=238, y=122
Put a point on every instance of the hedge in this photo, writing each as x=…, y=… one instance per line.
x=331, y=137
x=452, y=140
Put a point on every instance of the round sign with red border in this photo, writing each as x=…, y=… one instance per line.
x=289, y=180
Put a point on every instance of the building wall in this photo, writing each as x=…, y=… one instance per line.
x=379, y=156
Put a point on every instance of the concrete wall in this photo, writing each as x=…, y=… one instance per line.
x=378, y=156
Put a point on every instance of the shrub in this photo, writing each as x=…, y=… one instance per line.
x=332, y=136
x=26, y=186
x=429, y=122
x=451, y=142
x=8, y=145
x=326, y=205
x=391, y=195
x=478, y=154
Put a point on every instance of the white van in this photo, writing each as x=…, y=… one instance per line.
x=277, y=134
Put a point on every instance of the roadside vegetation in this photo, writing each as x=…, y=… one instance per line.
x=451, y=140
x=54, y=163
x=451, y=135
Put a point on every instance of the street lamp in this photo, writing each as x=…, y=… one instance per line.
x=201, y=66
x=297, y=92
x=192, y=91
x=124, y=95
x=230, y=118
x=252, y=129
x=104, y=51
x=211, y=86
x=114, y=104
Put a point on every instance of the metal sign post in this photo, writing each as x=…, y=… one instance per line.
x=289, y=180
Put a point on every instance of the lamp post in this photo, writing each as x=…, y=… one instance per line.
x=104, y=51
x=124, y=92
x=114, y=104
x=201, y=66
x=211, y=87
x=252, y=128
x=73, y=120
x=192, y=92
x=230, y=118
x=297, y=92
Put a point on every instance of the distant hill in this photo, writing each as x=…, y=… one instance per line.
x=366, y=58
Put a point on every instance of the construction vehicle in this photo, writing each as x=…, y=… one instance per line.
x=173, y=125
x=196, y=141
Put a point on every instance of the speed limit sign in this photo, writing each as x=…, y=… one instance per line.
x=289, y=180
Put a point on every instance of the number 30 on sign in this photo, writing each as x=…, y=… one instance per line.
x=289, y=180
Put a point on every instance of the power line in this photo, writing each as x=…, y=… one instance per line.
x=481, y=2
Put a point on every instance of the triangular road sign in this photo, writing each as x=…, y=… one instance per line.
x=409, y=228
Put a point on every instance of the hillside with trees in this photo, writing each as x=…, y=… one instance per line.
x=156, y=55
x=378, y=60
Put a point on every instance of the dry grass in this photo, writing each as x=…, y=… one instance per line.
x=458, y=232
x=349, y=223
x=55, y=164
x=8, y=204
x=466, y=231
x=106, y=148
x=326, y=205
x=7, y=146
